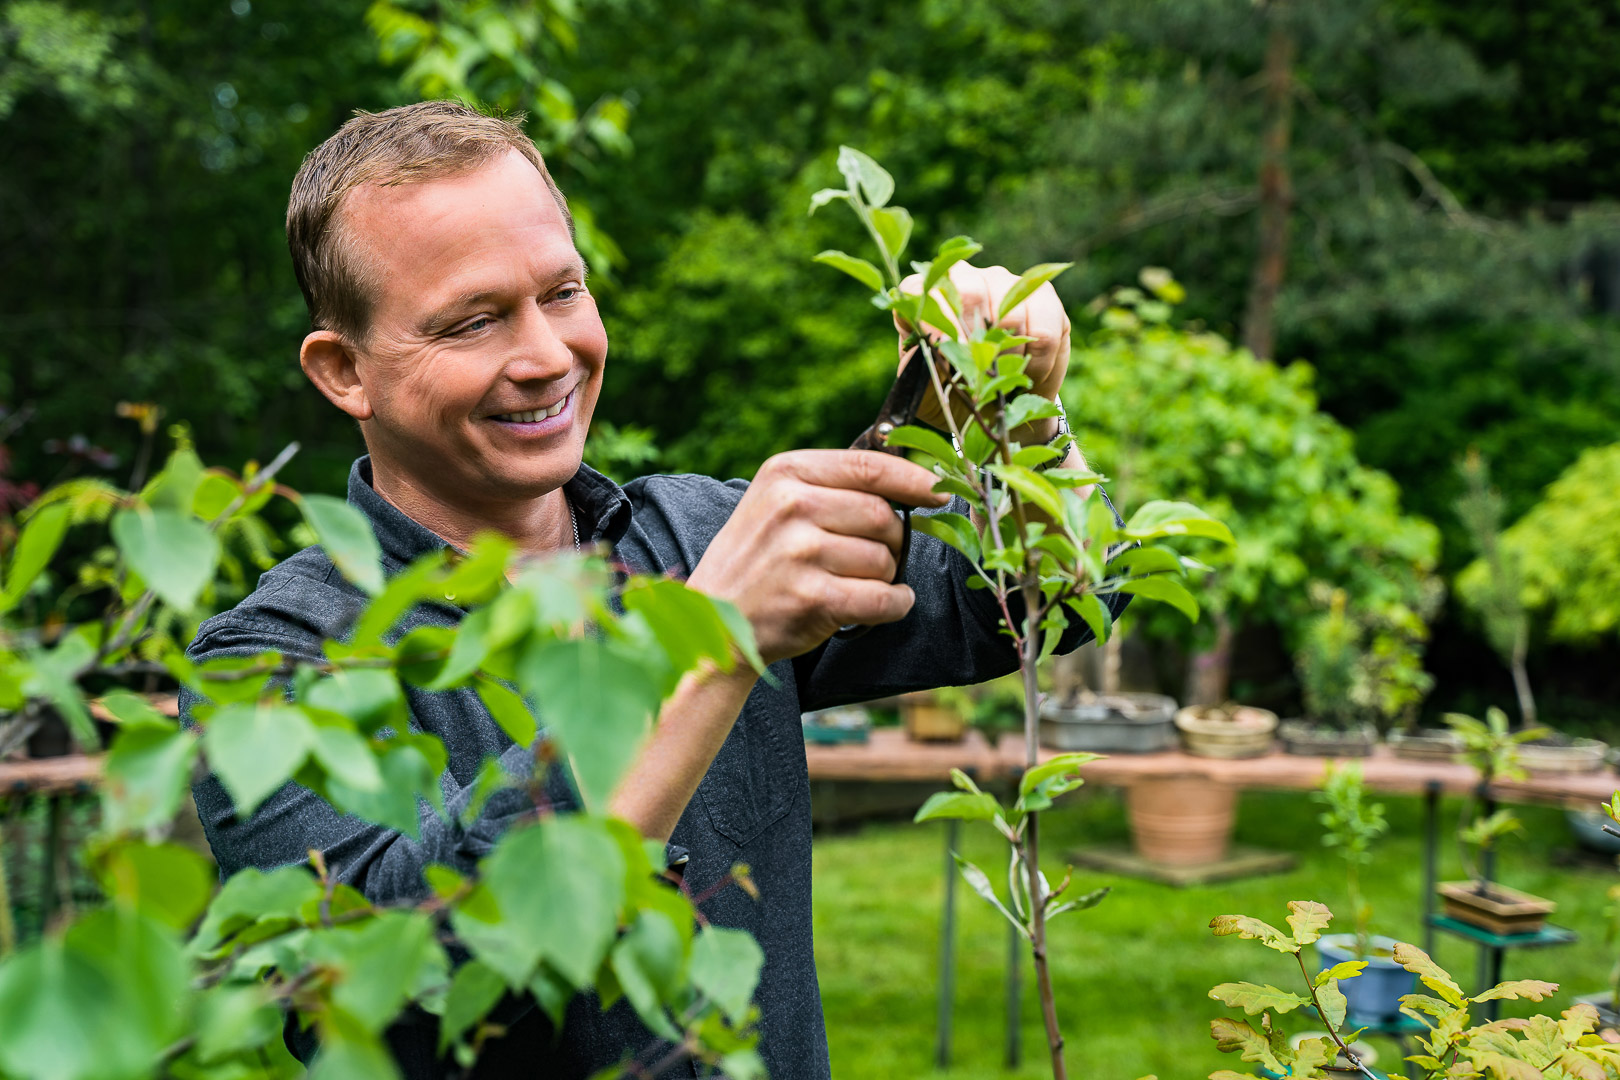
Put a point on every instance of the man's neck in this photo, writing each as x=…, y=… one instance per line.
x=537, y=525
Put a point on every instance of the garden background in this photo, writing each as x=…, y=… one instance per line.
x=1414, y=201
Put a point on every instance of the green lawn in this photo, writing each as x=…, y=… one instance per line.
x=1131, y=975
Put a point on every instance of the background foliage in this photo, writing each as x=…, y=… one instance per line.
x=1453, y=281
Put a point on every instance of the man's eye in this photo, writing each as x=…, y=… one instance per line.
x=566, y=293
x=472, y=327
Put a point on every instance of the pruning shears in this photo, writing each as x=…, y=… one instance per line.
x=899, y=408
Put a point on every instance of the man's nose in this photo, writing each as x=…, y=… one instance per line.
x=539, y=351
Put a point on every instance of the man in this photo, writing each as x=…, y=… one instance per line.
x=453, y=322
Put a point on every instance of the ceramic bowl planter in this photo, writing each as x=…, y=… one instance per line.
x=1111, y=724
x=1580, y=756
x=849, y=724
x=1375, y=994
x=1323, y=740
x=1226, y=731
x=927, y=718
x=1500, y=910
x=1587, y=825
x=1426, y=744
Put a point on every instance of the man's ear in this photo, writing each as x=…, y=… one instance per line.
x=327, y=360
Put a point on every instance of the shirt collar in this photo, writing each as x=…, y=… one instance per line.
x=601, y=506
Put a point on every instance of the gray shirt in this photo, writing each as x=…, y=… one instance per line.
x=753, y=805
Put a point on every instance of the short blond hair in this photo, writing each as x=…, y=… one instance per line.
x=431, y=140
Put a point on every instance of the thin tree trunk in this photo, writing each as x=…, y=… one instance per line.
x=1111, y=656
x=1032, y=845
x=1276, y=187
x=1521, y=684
x=1209, y=672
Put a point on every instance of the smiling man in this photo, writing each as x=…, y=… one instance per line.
x=452, y=320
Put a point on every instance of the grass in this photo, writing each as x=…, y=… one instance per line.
x=1133, y=974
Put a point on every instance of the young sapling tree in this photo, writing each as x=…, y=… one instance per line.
x=1033, y=538
x=1492, y=748
x=1350, y=825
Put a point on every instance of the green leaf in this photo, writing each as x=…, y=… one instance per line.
x=865, y=175
x=979, y=882
x=1252, y=998
x=1434, y=976
x=417, y=582
x=1027, y=408
x=687, y=623
x=597, y=702
x=893, y=225
x=968, y=806
x=255, y=749
x=352, y=1055
x=346, y=537
x=647, y=961
x=1027, y=283
x=1168, y=590
x=1149, y=559
x=825, y=196
x=857, y=268
x=36, y=546
x=558, y=884
x=251, y=895
x=1252, y=928
x=1308, y=919
x=951, y=252
x=474, y=990
x=344, y=754
x=173, y=553
x=165, y=882
x=148, y=773
x=1096, y=614
x=1240, y=1036
x=948, y=528
x=1061, y=765
x=1032, y=486
x=1334, y=1005
x=370, y=698
x=725, y=968
x=379, y=964
x=929, y=442
x=743, y=1065
x=1514, y=989
x=1347, y=969
x=508, y=709
x=232, y=1019
x=1161, y=518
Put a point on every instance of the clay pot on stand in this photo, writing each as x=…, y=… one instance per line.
x=1499, y=909
x=928, y=718
x=1226, y=731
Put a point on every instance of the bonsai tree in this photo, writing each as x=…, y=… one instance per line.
x=1035, y=543
x=1192, y=417
x=1362, y=665
x=1350, y=826
x=1491, y=748
x=1449, y=1047
x=1496, y=593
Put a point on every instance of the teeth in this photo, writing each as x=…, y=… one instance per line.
x=534, y=415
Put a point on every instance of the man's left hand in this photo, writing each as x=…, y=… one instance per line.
x=1040, y=317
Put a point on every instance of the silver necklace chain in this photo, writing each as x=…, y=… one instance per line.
x=573, y=520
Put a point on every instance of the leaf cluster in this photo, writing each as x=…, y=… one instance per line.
x=187, y=975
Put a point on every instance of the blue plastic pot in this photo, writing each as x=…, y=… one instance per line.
x=1375, y=994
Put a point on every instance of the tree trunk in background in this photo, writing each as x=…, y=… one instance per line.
x=1209, y=672
x=1276, y=187
x=1110, y=663
x=1521, y=683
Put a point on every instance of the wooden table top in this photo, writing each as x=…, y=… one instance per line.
x=891, y=756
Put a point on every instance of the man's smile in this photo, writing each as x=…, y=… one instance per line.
x=541, y=420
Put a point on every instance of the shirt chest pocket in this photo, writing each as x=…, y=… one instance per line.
x=751, y=783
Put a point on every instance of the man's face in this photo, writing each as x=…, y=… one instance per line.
x=485, y=355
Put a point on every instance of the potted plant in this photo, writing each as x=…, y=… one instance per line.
x=936, y=715
x=1492, y=748
x=1495, y=585
x=1448, y=1046
x=831, y=727
x=1226, y=731
x=1335, y=683
x=1607, y=1002
x=1350, y=826
x=1117, y=723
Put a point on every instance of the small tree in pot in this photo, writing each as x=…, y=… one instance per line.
x=1351, y=826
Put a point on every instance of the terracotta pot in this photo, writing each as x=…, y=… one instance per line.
x=1501, y=910
x=1226, y=731
x=1427, y=744
x=1181, y=820
x=1581, y=756
x=926, y=720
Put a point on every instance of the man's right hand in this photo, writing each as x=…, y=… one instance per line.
x=812, y=546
